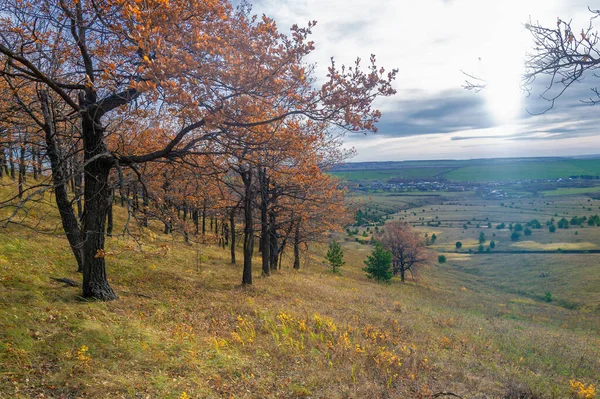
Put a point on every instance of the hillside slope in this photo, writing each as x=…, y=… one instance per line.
x=185, y=328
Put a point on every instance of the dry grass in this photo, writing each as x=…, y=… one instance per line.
x=532, y=245
x=306, y=333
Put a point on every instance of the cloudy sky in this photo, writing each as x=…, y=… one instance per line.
x=431, y=42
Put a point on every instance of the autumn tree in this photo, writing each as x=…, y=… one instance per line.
x=406, y=246
x=190, y=71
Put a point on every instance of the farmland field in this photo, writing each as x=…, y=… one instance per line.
x=478, y=170
x=519, y=170
x=398, y=173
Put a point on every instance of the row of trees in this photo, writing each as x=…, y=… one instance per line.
x=184, y=108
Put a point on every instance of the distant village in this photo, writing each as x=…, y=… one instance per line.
x=486, y=190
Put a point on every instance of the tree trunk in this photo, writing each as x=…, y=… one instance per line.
x=109, y=220
x=225, y=233
x=273, y=241
x=77, y=183
x=3, y=163
x=11, y=161
x=34, y=164
x=265, y=243
x=145, y=210
x=59, y=177
x=195, y=218
x=232, y=228
x=97, y=200
x=248, y=228
x=297, y=247
x=402, y=271
x=39, y=162
x=204, y=217
x=22, y=177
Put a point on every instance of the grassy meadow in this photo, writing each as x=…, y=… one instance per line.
x=479, y=170
x=479, y=325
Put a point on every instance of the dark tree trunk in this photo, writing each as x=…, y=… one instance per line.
x=145, y=210
x=273, y=241
x=59, y=177
x=248, y=227
x=225, y=233
x=136, y=199
x=3, y=163
x=195, y=218
x=297, y=247
x=204, y=217
x=34, y=164
x=109, y=220
x=11, y=161
x=39, y=162
x=232, y=228
x=22, y=177
x=77, y=184
x=402, y=271
x=97, y=200
x=265, y=243
x=167, y=223
x=186, y=234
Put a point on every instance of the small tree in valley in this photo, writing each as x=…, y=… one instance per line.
x=407, y=248
x=379, y=264
x=335, y=256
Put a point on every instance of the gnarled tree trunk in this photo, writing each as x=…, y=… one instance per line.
x=97, y=200
x=248, y=227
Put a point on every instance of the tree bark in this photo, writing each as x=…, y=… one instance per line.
x=232, y=228
x=204, y=217
x=297, y=247
x=248, y=227
x=265, y=243
x=145, y=210
x=97, y=200
x=273, y=241
x=195, y=218
x=3, y=163
x=109, y=220
x=11, y=161
x=59, y=177
x=34, y=164
x=22, y=176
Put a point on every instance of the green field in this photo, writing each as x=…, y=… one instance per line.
x=517, y=171
x=570, y=191
x=479, y=170
x=590, y=165
x=398, y=173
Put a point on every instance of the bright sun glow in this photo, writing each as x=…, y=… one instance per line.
x=503, y=94
x=503, y=71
